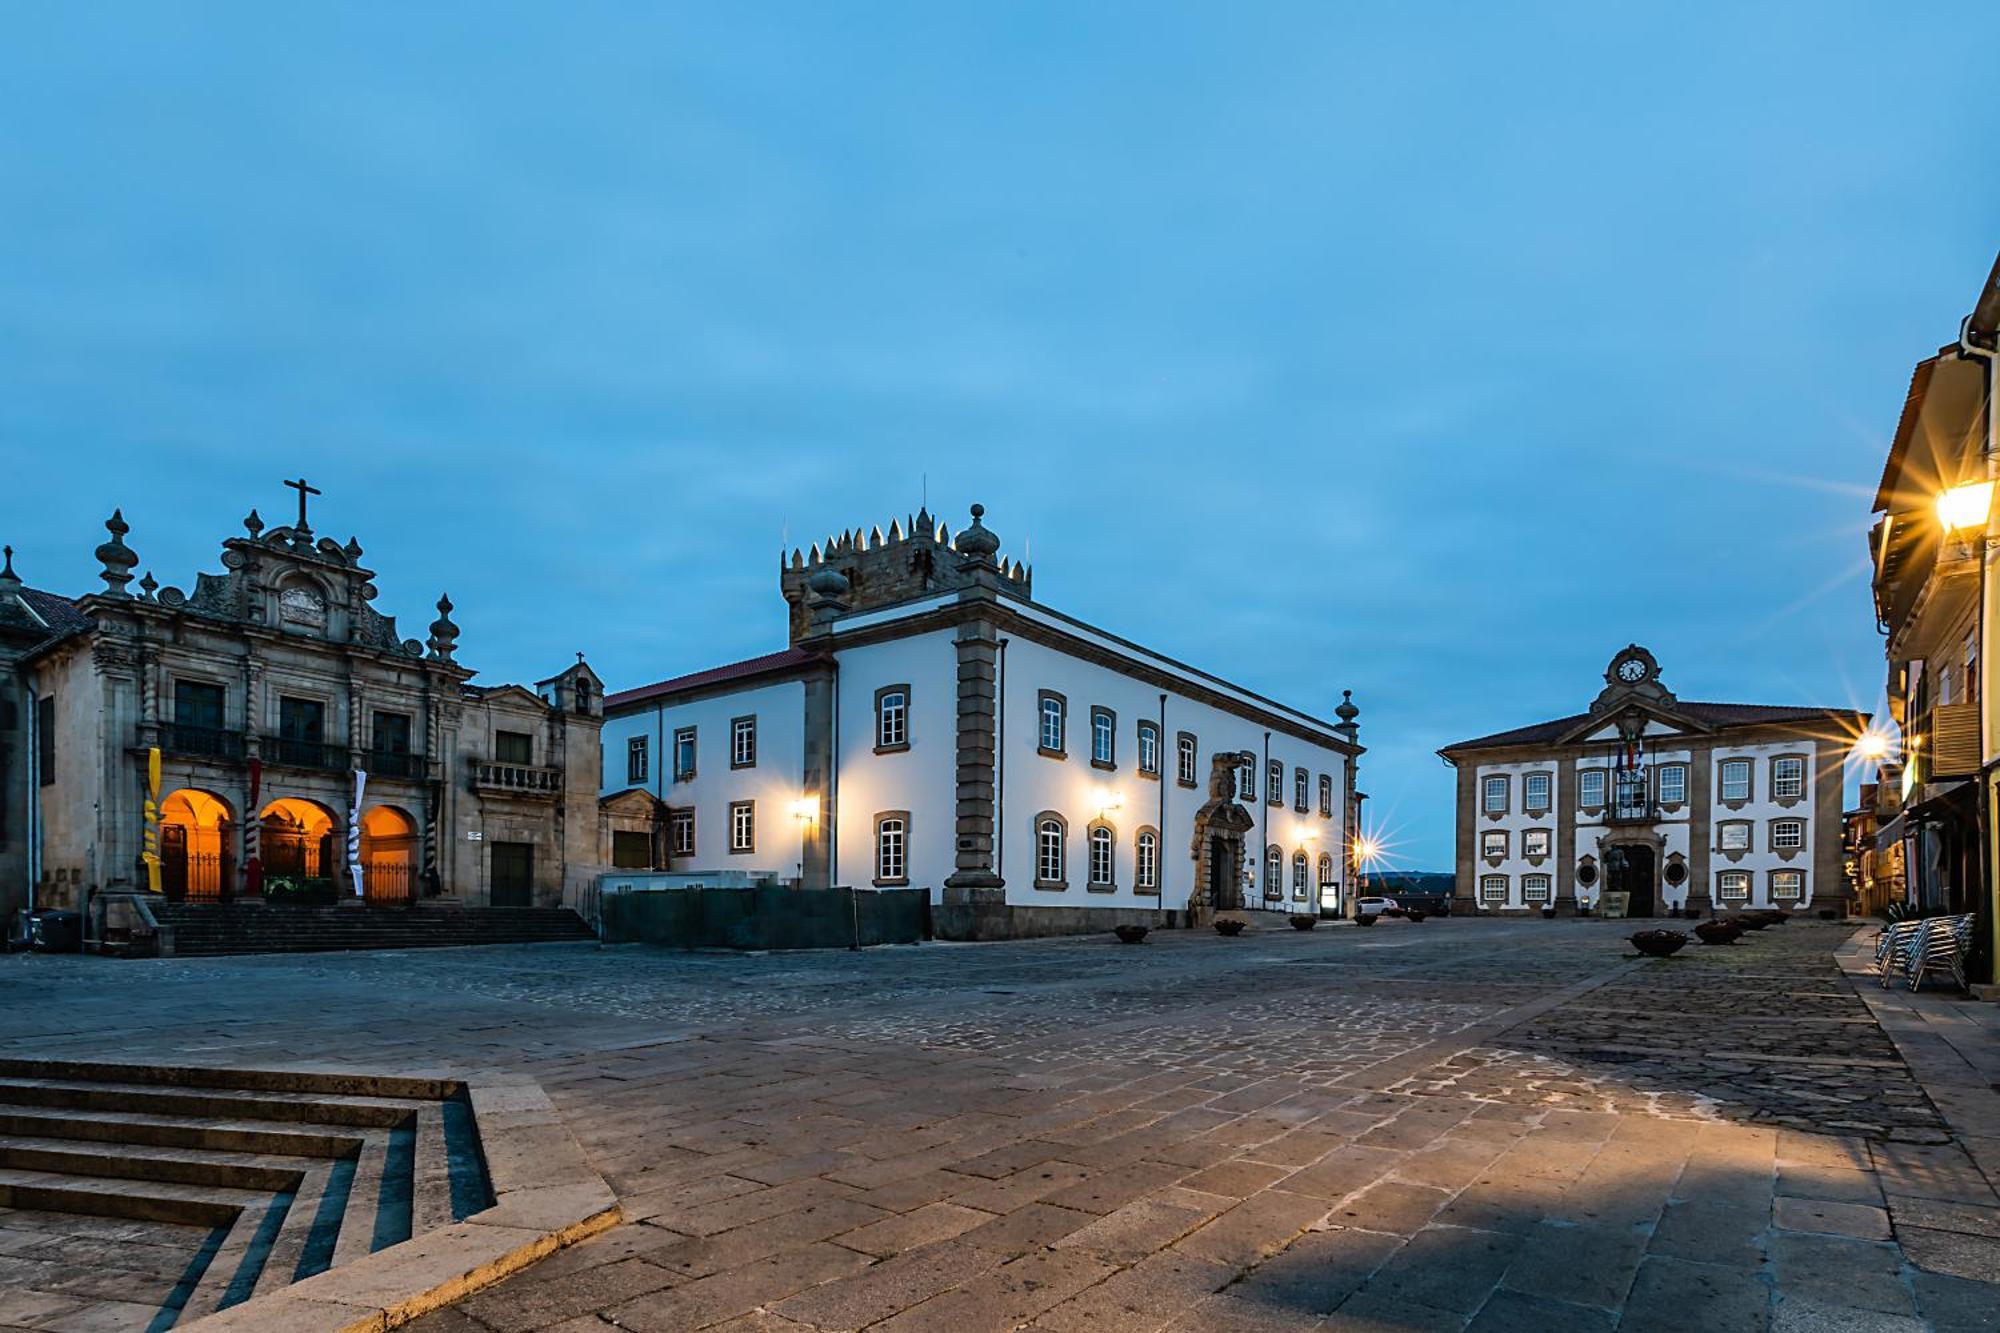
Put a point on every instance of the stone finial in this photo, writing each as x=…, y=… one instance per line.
x=148, y=586
x=8, y=578
x=1347, y=712
x=253, y=524
x=116, y=557
x=352, y=551
x=444, y=634
x=828, y=584
x=978, y=542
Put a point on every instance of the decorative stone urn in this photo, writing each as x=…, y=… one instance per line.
x=1129, y=934
x=1229, y=926
x=1658, y=943
x=1717, y=931
x=1303, y=921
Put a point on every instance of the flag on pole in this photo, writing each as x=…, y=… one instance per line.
x=151, y=855
x=253, y=835
x=354, y=832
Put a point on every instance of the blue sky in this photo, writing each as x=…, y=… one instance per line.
x=1432, y=352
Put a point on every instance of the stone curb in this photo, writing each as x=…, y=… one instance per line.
x=546, y=1196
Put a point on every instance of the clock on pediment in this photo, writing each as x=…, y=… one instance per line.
x=1633, y=666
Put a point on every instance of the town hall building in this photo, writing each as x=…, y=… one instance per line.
x=1644, y=803
x=930, y=725
x=271, y=737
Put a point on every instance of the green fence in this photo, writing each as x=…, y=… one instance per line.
x=766, y=918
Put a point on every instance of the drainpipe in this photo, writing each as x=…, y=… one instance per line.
x=1160, y=838
x=1264, y=851
x=34, y=787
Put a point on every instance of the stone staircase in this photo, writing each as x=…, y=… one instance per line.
x=222, y=928
x=289, y=1173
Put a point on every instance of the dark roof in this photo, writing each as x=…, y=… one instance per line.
x=49, y=611
x=1714, y=715
x=771, y=664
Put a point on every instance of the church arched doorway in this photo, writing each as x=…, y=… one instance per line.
x=1631, y=868
x=295, y=844
x=388, y=854
x=197, y=838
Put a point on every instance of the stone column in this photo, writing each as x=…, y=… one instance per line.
x=149, y=695
x=1828, y=891
x=1701, y=829
x=978, y=645
x=1565, y=849
x=1465, y=880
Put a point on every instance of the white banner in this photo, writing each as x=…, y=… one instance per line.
x=354, y=832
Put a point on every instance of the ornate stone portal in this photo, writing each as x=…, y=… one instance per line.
x=1220, y=827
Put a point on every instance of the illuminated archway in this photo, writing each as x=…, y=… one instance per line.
x=197, y=858
x=388, y=854
x=297, y=840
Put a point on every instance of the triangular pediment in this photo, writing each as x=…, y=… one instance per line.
x=632, y=801
x=515, y=694
x=1615, y=716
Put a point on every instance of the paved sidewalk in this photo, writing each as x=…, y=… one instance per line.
x=1457, y=1125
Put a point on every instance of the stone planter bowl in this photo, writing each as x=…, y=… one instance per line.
x=1718, y=932
x=1751, y=920
x=1658, y=943
x=1228, y=928
x=1415, y=914
x=1364, y=919
x=1301, y=922
x=1129, y=934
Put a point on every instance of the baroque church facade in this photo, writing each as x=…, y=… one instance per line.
x=930, y=725
x=1646, y=804
x=270, y=736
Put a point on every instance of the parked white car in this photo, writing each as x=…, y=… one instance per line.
x=1376, y=906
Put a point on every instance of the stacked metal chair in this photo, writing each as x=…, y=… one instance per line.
x=1893, y=948
x=1942, y=944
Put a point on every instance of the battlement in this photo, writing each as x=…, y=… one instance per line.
x=917, y=556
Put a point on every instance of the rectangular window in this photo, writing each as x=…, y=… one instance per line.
x=1535, y=842
x=892, y=718
x=742, y=826
x=197, y=703
x=1734, y=836
x=1493, y=844
x=1534, y=888
x=1733, y=886
x=631, y=849
x=302, y=732
x=1299, y=784
x=1054, y=712
x=684, y=750
x=1590, y=788
x=1326, y=796
x=45, y=739
x=1149, y=749
x=1493, y=889
x=1274, y=782
x=1535, y=791
x=1187, y=757
x=1496, y=796
x=680, y=832
x=513, y=747
x=1788, y=885
x=1788, y=835
x=637, y=765
x=1246, y=778
x=743, y=742
x=1788, y=778
x=1673, y=784
x=1736, y=780
x=391, y=732
x=1103, y=738
x=892, y=832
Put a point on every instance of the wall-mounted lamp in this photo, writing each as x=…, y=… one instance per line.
x=1965, y=506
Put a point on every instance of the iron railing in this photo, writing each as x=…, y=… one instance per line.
x=292, y=752
x=201, y=742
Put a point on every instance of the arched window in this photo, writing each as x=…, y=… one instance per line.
x=1149, y=748
x=1055, y=711
x=1146, y=862
x=1299, y=790
x=1299, y=875
x=1051, y=839
x=1185, y=746
x=1274, y=872
x=1326, y=796
x=892, y=847
x=1326, y=870
x=1102, y=841
x=1246, y=778
x=892, y=717
x=1103, y=738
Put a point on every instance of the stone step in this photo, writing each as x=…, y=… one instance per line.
x=220, y=1103
x=251, y=1080
x=241, y=1261
x=126, y=1162
x=209, y=929
x=165, y=1131
x=154, y=1201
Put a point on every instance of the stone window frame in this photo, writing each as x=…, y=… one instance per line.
x=1274, y=782
x=1301, y=875
x=736, y=759
x=1487, y=837
x=1771, y=835
x=736, y=847
x=1301, y=791
x=1603, y=776
x=1722, y=767
x=675, y=814
x=1805, y=779
x=1246, y=777
x=901, y=715
x=1099, y=713
x=176, y=678
x=1660, y=785
x=1529, y=837
x=1140, y=880
x=1043, y=698
x=1789, y=875
x=1724, y=878
x=375, y=716
x=1749, y=827
x=901, y=818
x=693, y=737
x=1487, y=896
x=498, y=732
x=1533, y=892
x=638, y=760
x=1100, y=832
x=1527, y=780
x=1041, y=819
x=1274, y=873
x=1148, y=727
x=1506, y=806
x=1326, y=871
x=1187, y=759
x=1326, y=796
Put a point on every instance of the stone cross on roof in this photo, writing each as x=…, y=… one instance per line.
x=304, y=490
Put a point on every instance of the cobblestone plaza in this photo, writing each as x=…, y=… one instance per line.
x=1438, y=1126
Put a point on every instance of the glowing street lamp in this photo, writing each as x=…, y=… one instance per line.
x=1871, y=747
x=1965, y=506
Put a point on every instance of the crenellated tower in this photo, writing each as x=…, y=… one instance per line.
x=918, y=556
